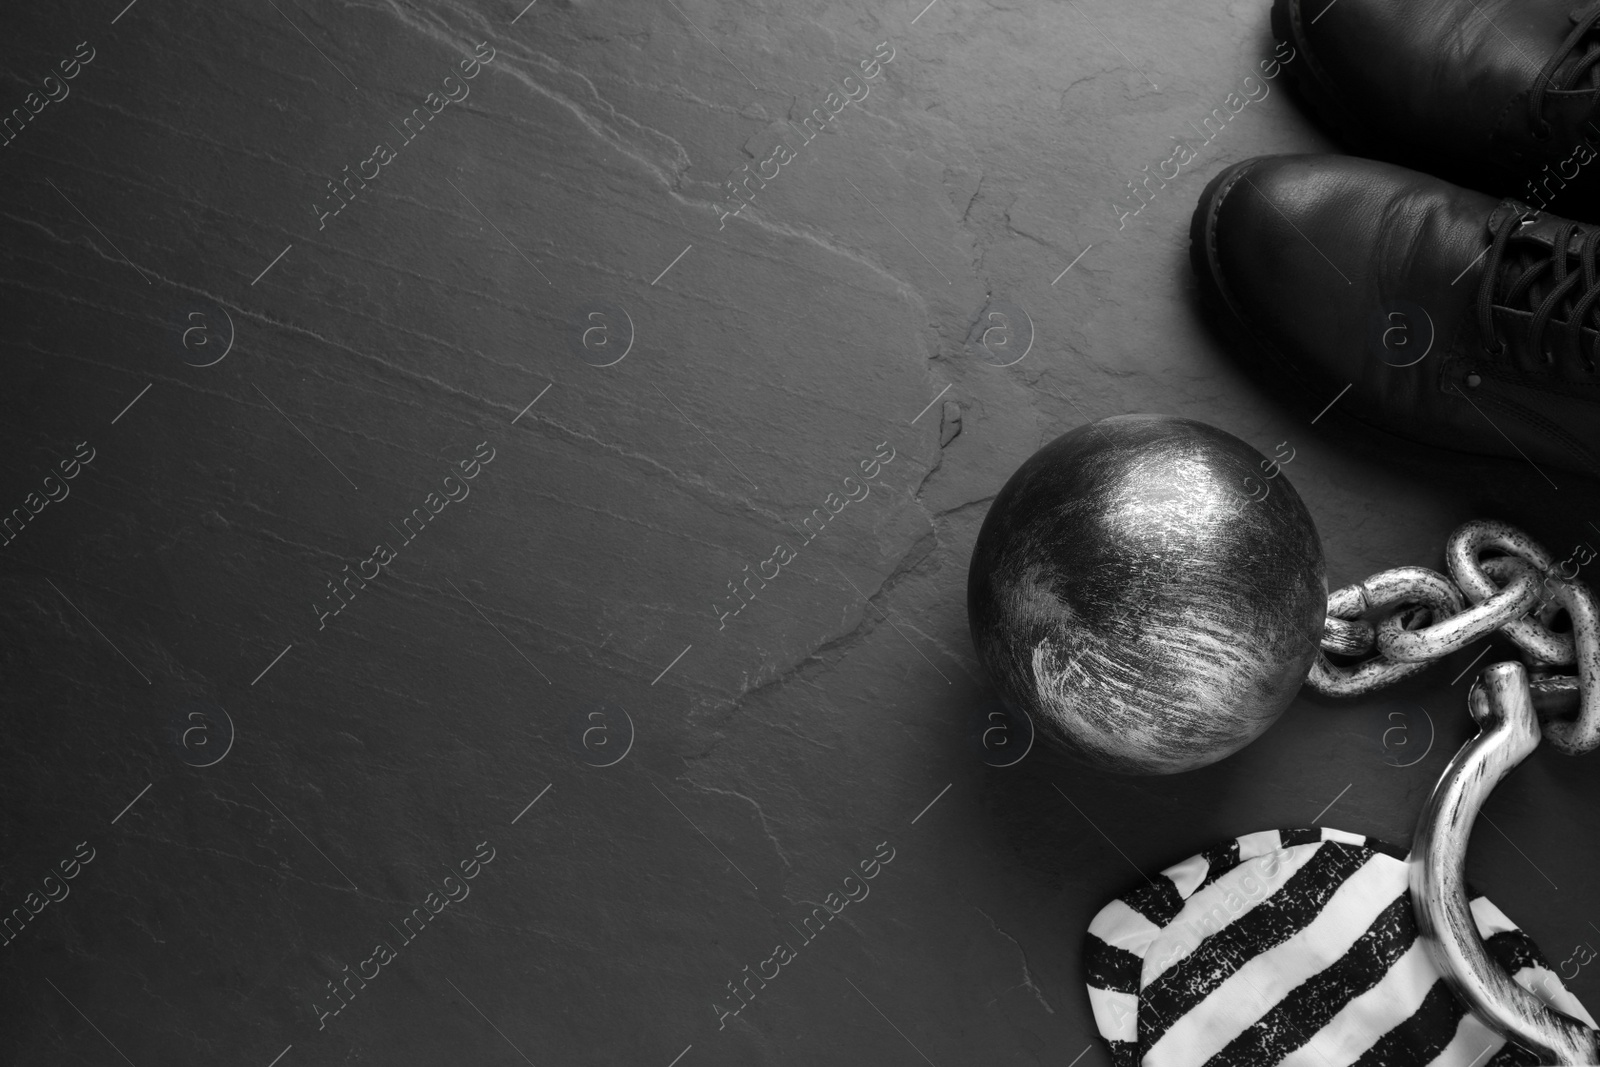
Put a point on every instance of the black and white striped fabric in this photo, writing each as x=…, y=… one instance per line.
x=1296, y=947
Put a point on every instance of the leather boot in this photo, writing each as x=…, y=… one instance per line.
x=1454, y=318
x=1497, y=95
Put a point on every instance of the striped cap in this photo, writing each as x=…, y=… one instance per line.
x=1295, y=947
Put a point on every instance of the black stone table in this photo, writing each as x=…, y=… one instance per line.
x=523, y=467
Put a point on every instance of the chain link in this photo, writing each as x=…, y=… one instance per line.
x=1403, y=619
x=1461, y=557
x=1392, y=592
x=1583, y=733
x=1347, y=637
x=1455, y=632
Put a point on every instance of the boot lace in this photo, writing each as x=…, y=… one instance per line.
x=1559, y=284
x=1585, y=20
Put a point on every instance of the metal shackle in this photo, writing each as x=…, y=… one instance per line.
x=1501, y=702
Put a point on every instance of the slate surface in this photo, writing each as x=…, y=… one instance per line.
x=173, y=207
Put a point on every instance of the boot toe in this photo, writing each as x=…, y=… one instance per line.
x=1273, y=243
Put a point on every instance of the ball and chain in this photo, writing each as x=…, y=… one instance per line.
x=1401, y=620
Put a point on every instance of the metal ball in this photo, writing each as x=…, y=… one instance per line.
x=1151, y=590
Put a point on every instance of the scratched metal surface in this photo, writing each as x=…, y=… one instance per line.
x=526, y=509
x=1133, y=607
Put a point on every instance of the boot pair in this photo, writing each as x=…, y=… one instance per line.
x=1436, y=290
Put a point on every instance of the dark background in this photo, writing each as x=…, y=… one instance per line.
x=579, y=577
